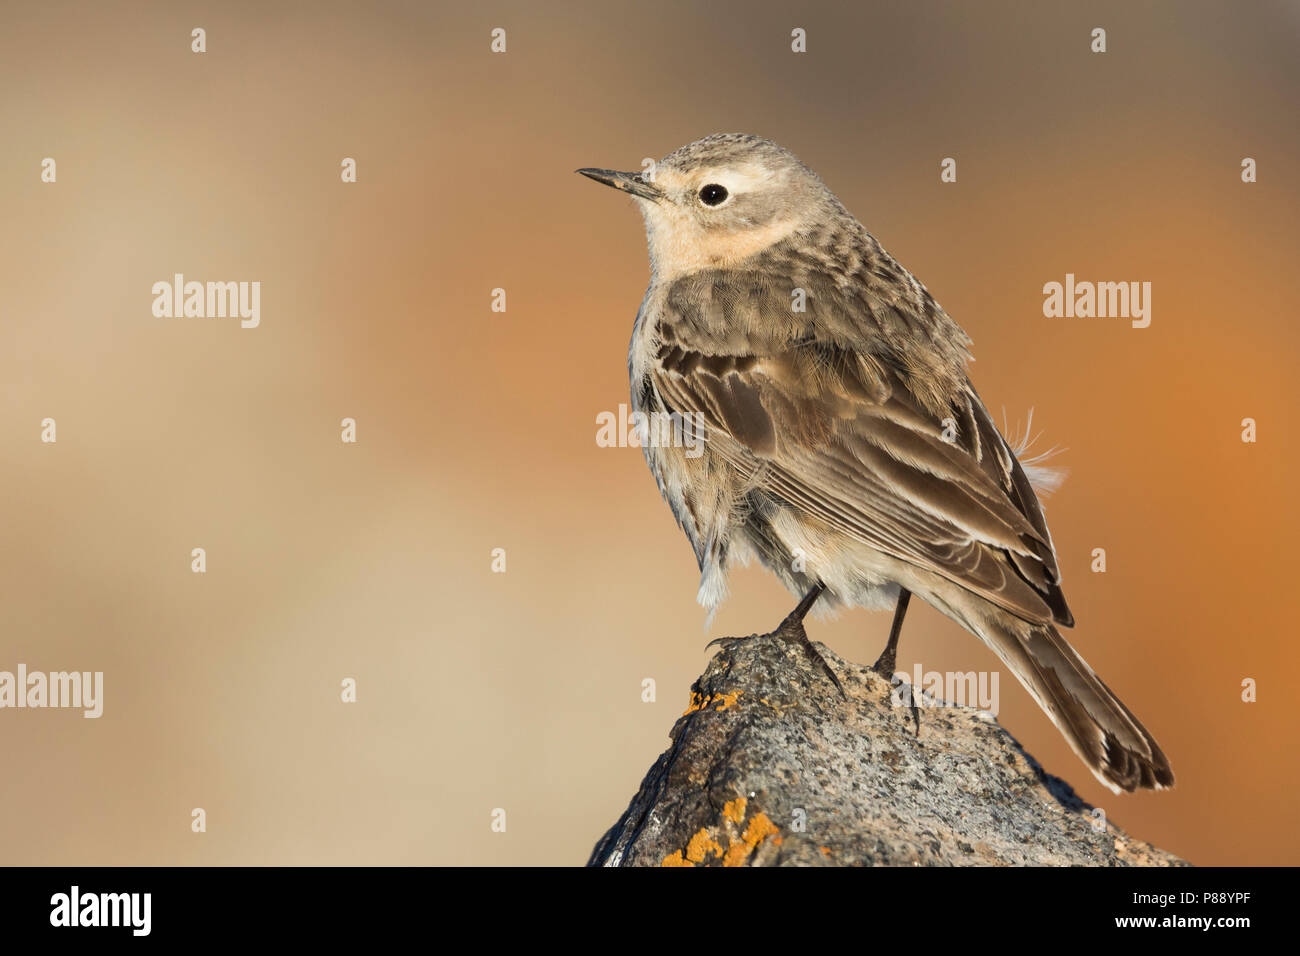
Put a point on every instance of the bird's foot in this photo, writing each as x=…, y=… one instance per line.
x=792, y=630
x=726, y=642
x=908, y=695
x=884, y=665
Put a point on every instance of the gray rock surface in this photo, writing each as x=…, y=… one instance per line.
x=771, y=766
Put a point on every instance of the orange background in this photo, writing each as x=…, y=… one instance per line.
x=477, y=429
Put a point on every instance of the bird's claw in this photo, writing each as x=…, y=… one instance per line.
x=723, y=642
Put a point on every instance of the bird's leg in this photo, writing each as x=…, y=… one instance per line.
x=884, y=665
x=792, y=628
x=889, y=656
x=792, y=620
x=803, y=607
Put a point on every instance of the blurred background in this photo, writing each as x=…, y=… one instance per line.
x=476, y=430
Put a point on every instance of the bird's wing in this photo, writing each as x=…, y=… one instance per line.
x=838, y=434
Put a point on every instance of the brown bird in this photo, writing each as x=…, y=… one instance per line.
x=844, y=445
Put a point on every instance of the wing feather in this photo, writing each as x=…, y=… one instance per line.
x=838, y=435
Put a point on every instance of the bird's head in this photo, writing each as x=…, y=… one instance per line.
x=720, y=200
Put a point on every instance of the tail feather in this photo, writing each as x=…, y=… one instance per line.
x=1119, y=751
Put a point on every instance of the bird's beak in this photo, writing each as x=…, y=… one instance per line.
x=628, y=182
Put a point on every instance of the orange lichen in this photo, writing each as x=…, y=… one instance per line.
x=759, y=829
x=724, y=701
x=738, y=852
x=701, y=845
x=734, y=810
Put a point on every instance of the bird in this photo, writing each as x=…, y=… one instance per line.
x=844, y=445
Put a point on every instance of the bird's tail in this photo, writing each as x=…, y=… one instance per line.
x=1119, y=751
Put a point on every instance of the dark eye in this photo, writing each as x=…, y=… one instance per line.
x=713, y=195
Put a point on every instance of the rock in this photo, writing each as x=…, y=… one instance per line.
x=771, y=766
